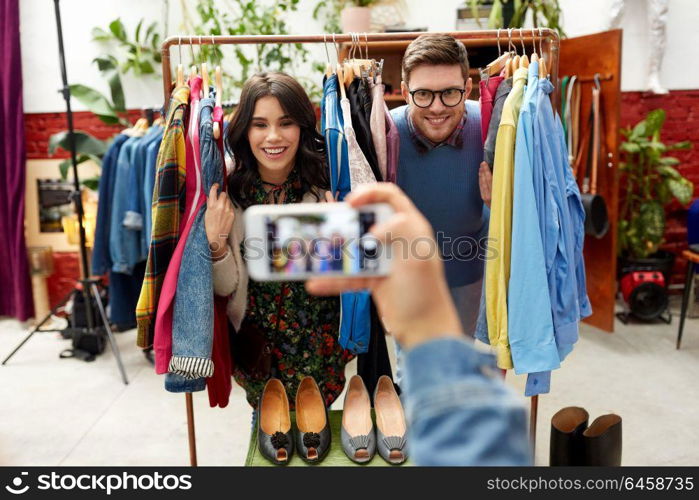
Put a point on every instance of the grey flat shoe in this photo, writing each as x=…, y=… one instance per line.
x=390, y=423
x=357, y=432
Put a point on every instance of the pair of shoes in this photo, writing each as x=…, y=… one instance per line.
x=573, y=442
x=274, y=435
x=359, y=440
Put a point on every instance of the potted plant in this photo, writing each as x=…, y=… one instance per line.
x=651, y=182
x=356, y=16
x=514, y=13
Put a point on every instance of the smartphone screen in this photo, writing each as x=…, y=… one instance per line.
x=328, y=241
x=321, y=243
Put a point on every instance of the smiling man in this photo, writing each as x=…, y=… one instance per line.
x=440, y=154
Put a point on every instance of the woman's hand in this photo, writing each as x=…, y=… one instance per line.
x=485, y=182
x=218, y=221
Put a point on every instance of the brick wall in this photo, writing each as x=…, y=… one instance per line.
x=681, y=124
x=39, y=127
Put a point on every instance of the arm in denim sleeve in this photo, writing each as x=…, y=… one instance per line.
x=459, y=410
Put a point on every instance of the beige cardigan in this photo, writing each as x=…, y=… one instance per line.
x=230, y=274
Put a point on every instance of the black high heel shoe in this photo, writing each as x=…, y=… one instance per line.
x=313, y=434
x=274, y=437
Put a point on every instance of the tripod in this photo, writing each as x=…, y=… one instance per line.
x=87, y=285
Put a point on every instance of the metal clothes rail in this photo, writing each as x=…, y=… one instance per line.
x=547, y=38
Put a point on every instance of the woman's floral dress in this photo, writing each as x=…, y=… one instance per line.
x=302, y=327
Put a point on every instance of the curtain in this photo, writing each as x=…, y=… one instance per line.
x=15, y=291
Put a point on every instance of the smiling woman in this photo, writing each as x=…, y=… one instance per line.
x=279, y=158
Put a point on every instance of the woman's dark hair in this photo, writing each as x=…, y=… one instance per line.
x=310, y=157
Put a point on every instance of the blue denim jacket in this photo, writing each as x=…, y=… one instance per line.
x=135, y=206
x=124, y=245
x=149, y=185
x=101, y=258
x=193, y=314
x=458, y=409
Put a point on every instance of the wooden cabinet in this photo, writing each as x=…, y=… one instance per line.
x=584, y=56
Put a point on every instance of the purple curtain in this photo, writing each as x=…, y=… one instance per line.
x=15, y=291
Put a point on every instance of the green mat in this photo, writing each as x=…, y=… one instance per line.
x=335, y=457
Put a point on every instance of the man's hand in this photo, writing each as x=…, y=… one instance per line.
x=485, y=182
x=414, y=299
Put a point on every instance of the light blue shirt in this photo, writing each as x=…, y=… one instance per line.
x=547, y=241
x=562, y=275
x=459, y=411
x=530, y=323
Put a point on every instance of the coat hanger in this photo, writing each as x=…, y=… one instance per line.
x=328, y=66
x=347, y=66
x=524, y=60
x=535, y=55
x=495, y=67
x=346, y=61
x=219, y=91
x=180, y=68
x=204, y=74
x=509, y=65
x=356, y=63
x=338, y=71
x=341, y=80
x=367, y=65
x=515, y=58
x=543, y=73
x=193, y=70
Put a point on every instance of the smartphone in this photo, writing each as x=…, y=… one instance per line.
x=302, y=240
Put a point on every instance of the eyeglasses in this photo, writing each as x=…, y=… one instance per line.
x=423, y=98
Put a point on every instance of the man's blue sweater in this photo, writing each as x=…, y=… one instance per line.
x=443, y=184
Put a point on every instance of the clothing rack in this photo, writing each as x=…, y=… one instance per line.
x=547, y=38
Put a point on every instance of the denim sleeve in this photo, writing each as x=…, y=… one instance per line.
x=459, y=410
x=123, y=244
x=133, y=217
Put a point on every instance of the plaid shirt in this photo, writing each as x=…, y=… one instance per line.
x=169, y=183
x=424, y=145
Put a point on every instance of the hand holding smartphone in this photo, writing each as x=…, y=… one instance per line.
x=300, y=241
x=413, y=299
